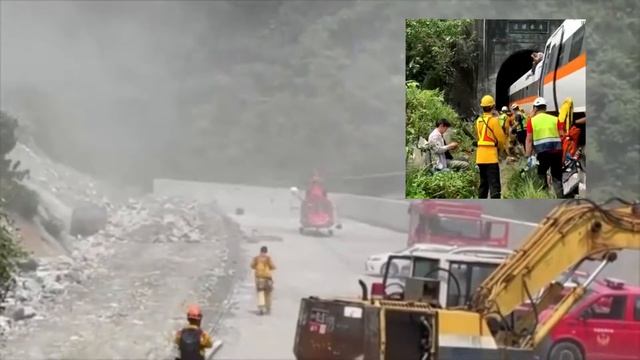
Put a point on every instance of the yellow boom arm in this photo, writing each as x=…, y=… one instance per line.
x=571, y=233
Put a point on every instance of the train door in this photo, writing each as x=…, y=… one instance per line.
x=546, y=85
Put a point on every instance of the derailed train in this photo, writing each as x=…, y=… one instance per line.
x=560, y=75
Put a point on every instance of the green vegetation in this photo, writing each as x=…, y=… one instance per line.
x=421, y=184
x=13, y=196
x=424, y=107
x=10, y=254
x=438, y=51
x=525, y=184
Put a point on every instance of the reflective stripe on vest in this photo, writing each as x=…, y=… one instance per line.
x=483, y=137
x=545, y=129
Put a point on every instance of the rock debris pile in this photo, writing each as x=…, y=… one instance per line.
x=151, y=219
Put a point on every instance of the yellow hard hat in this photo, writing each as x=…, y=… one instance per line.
x=487, y=100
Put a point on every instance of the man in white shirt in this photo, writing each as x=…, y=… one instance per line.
x=439, y=147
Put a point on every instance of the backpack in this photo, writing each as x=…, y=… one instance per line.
x=190, y=344
x=262, y=266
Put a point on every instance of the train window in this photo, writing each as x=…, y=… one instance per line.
x=576, y=43
x=551, y=60
x=564, y=51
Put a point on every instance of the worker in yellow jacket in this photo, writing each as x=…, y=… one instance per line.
x=491, y=139
x=192, y=340
x=263, y=266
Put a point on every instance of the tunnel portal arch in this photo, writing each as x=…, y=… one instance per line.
x=516, y=65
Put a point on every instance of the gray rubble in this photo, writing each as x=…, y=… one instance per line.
x=154, y=220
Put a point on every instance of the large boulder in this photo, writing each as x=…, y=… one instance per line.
x=87, y=220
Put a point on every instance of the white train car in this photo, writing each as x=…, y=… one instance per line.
x=561, y=74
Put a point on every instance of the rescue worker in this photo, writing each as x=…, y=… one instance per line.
x=503, y=118
x=444, y=159
x=262, y=266
x=491, y=139
x=544, y=134
x=536, y=58
x=519, y=122
x=192, y=340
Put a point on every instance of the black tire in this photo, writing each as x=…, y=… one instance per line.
x=565, y=351
x=301, y=230
x=330, y=232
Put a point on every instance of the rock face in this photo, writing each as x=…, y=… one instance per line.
x=87, y=220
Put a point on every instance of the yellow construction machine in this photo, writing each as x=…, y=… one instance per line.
x=485, y=326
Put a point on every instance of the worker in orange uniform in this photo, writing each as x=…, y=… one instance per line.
x=544, y=135
x=491, y=139
x=263, y=266
x=192, y=340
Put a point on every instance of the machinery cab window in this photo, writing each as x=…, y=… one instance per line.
x=636, y=309
x=469, y=276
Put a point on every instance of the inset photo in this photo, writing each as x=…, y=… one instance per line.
x=495, y=109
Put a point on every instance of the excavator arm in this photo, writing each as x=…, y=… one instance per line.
x=575, y=231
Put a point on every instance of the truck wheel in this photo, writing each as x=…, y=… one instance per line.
x=565, y=351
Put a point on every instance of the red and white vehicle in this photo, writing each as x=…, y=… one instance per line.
x=604, y=325
x=454, y=224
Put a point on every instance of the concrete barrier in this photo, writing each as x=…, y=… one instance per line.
x=387, y=213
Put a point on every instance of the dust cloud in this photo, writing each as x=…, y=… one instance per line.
x=212, y=91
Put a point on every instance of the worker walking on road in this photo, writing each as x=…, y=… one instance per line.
x=192, y=340
x=491, y=139
x=544, y=134
x=262, y=266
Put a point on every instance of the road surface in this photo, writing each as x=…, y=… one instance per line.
x=306, y=265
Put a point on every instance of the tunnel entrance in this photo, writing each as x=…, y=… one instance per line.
x=511, y=70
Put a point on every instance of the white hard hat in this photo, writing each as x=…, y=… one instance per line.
x=293, y=189
x=504, y=108
x=539, y=101
x=514, y=106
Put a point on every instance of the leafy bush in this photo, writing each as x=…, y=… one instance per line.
x=424, y=107
x=422, y=184
x=10, y=254
x=437, y=49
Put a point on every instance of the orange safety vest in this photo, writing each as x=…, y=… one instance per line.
x=484, y=133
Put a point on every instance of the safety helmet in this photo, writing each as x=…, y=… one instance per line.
x=514, y=107
x=504, y=108
x=539, y=102
x=487, y=100
x=194, y=313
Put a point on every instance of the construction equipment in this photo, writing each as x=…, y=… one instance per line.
x=484, y=328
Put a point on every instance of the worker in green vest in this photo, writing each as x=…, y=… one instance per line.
x=544, y=134
x=503, y=117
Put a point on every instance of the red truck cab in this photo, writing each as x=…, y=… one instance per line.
x=455, y=224
x=604, y=325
